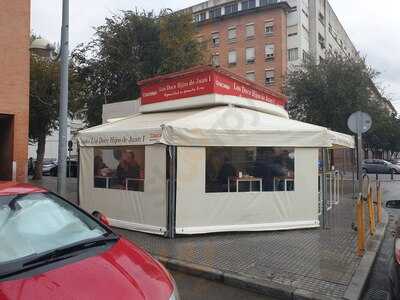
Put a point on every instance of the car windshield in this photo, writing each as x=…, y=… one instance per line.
x=35, y=223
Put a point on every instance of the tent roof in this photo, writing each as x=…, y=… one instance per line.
x=217, y=126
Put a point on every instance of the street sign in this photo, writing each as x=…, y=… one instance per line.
x=359, y=122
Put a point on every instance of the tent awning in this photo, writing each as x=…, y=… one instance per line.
x=217, y=126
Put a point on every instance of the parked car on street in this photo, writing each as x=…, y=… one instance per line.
x=72, y=169
x=48, y=165
x=395, y=161
x=379, y=166
x=51, y=249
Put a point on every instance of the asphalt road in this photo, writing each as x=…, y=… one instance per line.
x=196, y=288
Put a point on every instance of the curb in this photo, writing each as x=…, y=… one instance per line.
x=360, y=277
x=255, y=284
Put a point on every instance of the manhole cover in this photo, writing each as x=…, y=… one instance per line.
x=374, y=294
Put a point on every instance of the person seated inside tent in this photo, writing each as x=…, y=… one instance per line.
x=226, y=172
x=101, y=171
x=268, y=167
x=128, y=171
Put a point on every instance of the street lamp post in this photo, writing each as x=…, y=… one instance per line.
x=43, y=48
x=63, y=105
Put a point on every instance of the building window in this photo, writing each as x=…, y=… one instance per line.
x=215, y=60
x=269, y=51
x=232, y=58
x=215, y=39
x=232, y=34
x=120, y=168
x=250, y=55
x=248, y=4
x=269, y=28
x=269, y=76
x=250, y=31
x=293, y=54
x=200, y=17
x=249, y=169
x=267, y=2
x=231, y=8
x=251, y=76
x=215, y=13
x=321, y=41
x=321, y=18
x=292, y=30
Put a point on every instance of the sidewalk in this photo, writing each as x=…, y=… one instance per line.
x=50, y=183
x=308, y=264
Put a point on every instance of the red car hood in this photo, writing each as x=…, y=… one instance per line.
x=122, y=272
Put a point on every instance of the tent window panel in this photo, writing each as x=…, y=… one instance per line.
x=119, y=168
x=249, y=169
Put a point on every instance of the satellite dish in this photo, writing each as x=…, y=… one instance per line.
x=359, y=122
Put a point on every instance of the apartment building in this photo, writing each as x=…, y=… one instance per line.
x=14, y=88
x=263, y=39
x=313, y=31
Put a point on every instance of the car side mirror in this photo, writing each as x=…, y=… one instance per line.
x=101, y=218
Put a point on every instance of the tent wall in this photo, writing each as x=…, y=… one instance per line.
x=145, y=211
x=200, y=212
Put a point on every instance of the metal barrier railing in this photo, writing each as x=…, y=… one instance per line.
x=334, y=187
x=373, y=217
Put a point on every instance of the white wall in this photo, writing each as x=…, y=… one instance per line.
x=200, y=212
x=51, y=148
x=120, y=109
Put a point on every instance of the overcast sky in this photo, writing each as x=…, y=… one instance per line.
x=374, y=27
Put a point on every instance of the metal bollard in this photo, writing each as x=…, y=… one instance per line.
x=371, y=212
x=379, y=202
x=360, y=226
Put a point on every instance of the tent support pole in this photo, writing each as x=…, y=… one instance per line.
x=78, y=174
x=324, y=188
x=171, y=192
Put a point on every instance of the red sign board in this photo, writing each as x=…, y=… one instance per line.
x=209, y=81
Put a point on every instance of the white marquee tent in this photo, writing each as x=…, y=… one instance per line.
x=178, y=201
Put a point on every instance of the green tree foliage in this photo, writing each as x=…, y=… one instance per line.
x=43, y=104
x=129, y=47
x=328, y=93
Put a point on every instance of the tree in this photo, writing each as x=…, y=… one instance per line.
x=43, y=102
x=129, y=47
x=43, y=105
x=328, y=93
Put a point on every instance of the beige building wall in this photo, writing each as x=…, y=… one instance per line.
x=14, y=86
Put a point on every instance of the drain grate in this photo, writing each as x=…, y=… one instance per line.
x=374, y=294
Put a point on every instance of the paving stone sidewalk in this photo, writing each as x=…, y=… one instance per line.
x=316, y=263
x=50, y=183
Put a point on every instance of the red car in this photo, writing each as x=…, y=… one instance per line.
x=51, y=249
